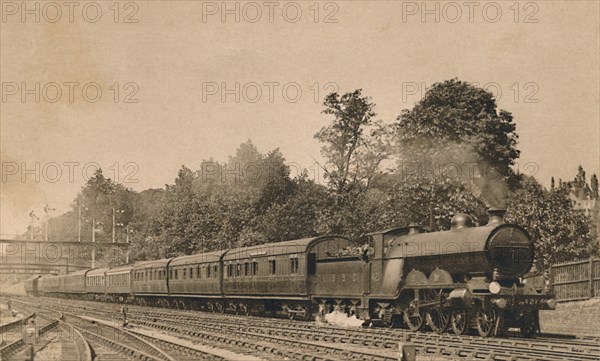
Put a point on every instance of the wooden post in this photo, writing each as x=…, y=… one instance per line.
x=551, y=280
x=591, y=275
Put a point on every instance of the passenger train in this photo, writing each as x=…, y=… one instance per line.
x=466, y=279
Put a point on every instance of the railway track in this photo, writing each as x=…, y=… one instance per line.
x=258, y=346
x=427, y=343
x=545, y=348
x=14, y=333
x=309, y=340
x=108, y=341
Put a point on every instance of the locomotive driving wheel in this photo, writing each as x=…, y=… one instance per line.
x=414, y=317
x=460, y=321
x=486, y=318
x=210, y=307
x=439, y=319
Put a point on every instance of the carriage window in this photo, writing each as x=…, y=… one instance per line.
x=254, y=268
x=208, y=272
x=238, y=269
x=272, y=266
x=246, y=269
x=294, y=265
x=184, y=273
x=216, y=273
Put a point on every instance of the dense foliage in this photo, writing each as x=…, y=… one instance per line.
x=453, y=152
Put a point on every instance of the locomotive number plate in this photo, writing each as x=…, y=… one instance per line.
x=528, y=301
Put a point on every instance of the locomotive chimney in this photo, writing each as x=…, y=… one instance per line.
x=496, y=216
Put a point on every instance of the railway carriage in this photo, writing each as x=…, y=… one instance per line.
x=196, y=277
x=74, y=284
x=276, y=276
x=149, y=280
x=118, y=283
x=31, y=286
x=95, y=283
x=49, y=286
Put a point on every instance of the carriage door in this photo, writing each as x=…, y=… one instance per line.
x=311, y=270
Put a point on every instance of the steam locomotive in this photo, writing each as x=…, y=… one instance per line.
x=463, y=279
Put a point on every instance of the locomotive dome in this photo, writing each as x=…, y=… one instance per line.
x=461, y=220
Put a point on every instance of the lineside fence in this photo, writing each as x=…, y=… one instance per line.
x=577, y=280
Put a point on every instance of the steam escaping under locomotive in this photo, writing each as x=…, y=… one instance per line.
x=466, y=278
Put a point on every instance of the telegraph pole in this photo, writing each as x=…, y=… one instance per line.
x=114, y=220
x=93, y=241
x=127, y=251
x=79, y=222
x=47, y=211
x=32, y=216
x=113, y=225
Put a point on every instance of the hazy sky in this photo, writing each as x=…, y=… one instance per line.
x=168, y=82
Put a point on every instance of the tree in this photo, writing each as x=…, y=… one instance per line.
x=560, y=233
x=594, y=186
x=579, y=182
x=296, y=217
x=457, y=113
x=353, y=143
x=429, y=201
